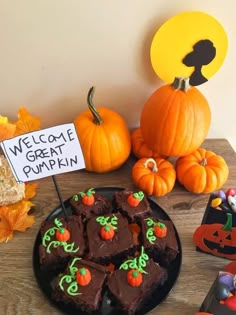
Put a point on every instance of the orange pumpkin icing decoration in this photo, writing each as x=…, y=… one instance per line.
x=135, y=198
x=107, y=232
x=62, y=235
x=83, y=276
x=160, y=230
x=134, y=277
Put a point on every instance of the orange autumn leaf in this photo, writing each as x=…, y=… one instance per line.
x=7, y=130
x=30, y=190
x=26, y=122
x=15, y=218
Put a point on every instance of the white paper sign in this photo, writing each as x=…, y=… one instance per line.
x=44, y=153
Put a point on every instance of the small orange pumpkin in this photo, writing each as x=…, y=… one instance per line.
x=134, y=277
x=154, y=176
x=107, y=232
x=175, y=119
x=104, y=137
x=160, y=230
x=202, y=171
x=139, y=147
x=83, y=276
x=62, y=235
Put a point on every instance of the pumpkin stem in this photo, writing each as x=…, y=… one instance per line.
x=203, y=162
x=228, y=224
x=181, y=83
x=154, y=168
x=97, y=119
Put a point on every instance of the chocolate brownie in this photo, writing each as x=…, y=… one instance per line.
x=61, y=239
x=81, y=285
x=161, y=246
x=82, y=205
x=109, y=238
x=134, y=282
x=129, y=208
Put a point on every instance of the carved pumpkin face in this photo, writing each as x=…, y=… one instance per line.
x=217, y=239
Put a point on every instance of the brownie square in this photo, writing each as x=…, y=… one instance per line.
x=131, y=212
x=131, y=298
x=101, y=205
x=55, y=253
x=162, y=250
x=109, y=250
x=84, y=297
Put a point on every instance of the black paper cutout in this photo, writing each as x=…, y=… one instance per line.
x=203, y=53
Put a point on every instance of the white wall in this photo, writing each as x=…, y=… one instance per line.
x=53, y=51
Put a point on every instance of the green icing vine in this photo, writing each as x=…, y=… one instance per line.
x=70, y=279
x=150, y=231
x=89, y=193
x=112, y=221
x=139, y=195
x=76, y=198
x=137, y=263
x=69, y=248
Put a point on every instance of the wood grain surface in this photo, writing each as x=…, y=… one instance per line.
x=19, y=292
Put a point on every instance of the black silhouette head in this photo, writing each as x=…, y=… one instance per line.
x=203, y=53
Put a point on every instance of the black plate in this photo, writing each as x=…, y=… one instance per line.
x=45, y=278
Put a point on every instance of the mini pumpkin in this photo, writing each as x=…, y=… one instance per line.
x=160, y=230
x=135, y=198
x=139, y=147
x=134, y=278
x=83, y=276
x=62, y=235
x=104, y=137
x=217, y=239
x=88, y=197
x=154, y=176
x=107, y=232
x=202, y=171
x=175, y=119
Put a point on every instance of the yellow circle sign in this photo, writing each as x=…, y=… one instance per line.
x=190, y=44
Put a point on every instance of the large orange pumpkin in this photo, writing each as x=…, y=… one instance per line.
x=104, y=137
x=155, y=177
x=202, y=171
x=175, y=119
x=139, y=147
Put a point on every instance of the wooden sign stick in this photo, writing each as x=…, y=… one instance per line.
x=60, y=197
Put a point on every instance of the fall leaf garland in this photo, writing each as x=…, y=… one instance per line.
x=15, y=217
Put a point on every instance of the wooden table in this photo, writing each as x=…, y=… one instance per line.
x=19, y=292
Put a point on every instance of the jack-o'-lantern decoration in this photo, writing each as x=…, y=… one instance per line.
x=217, y=239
